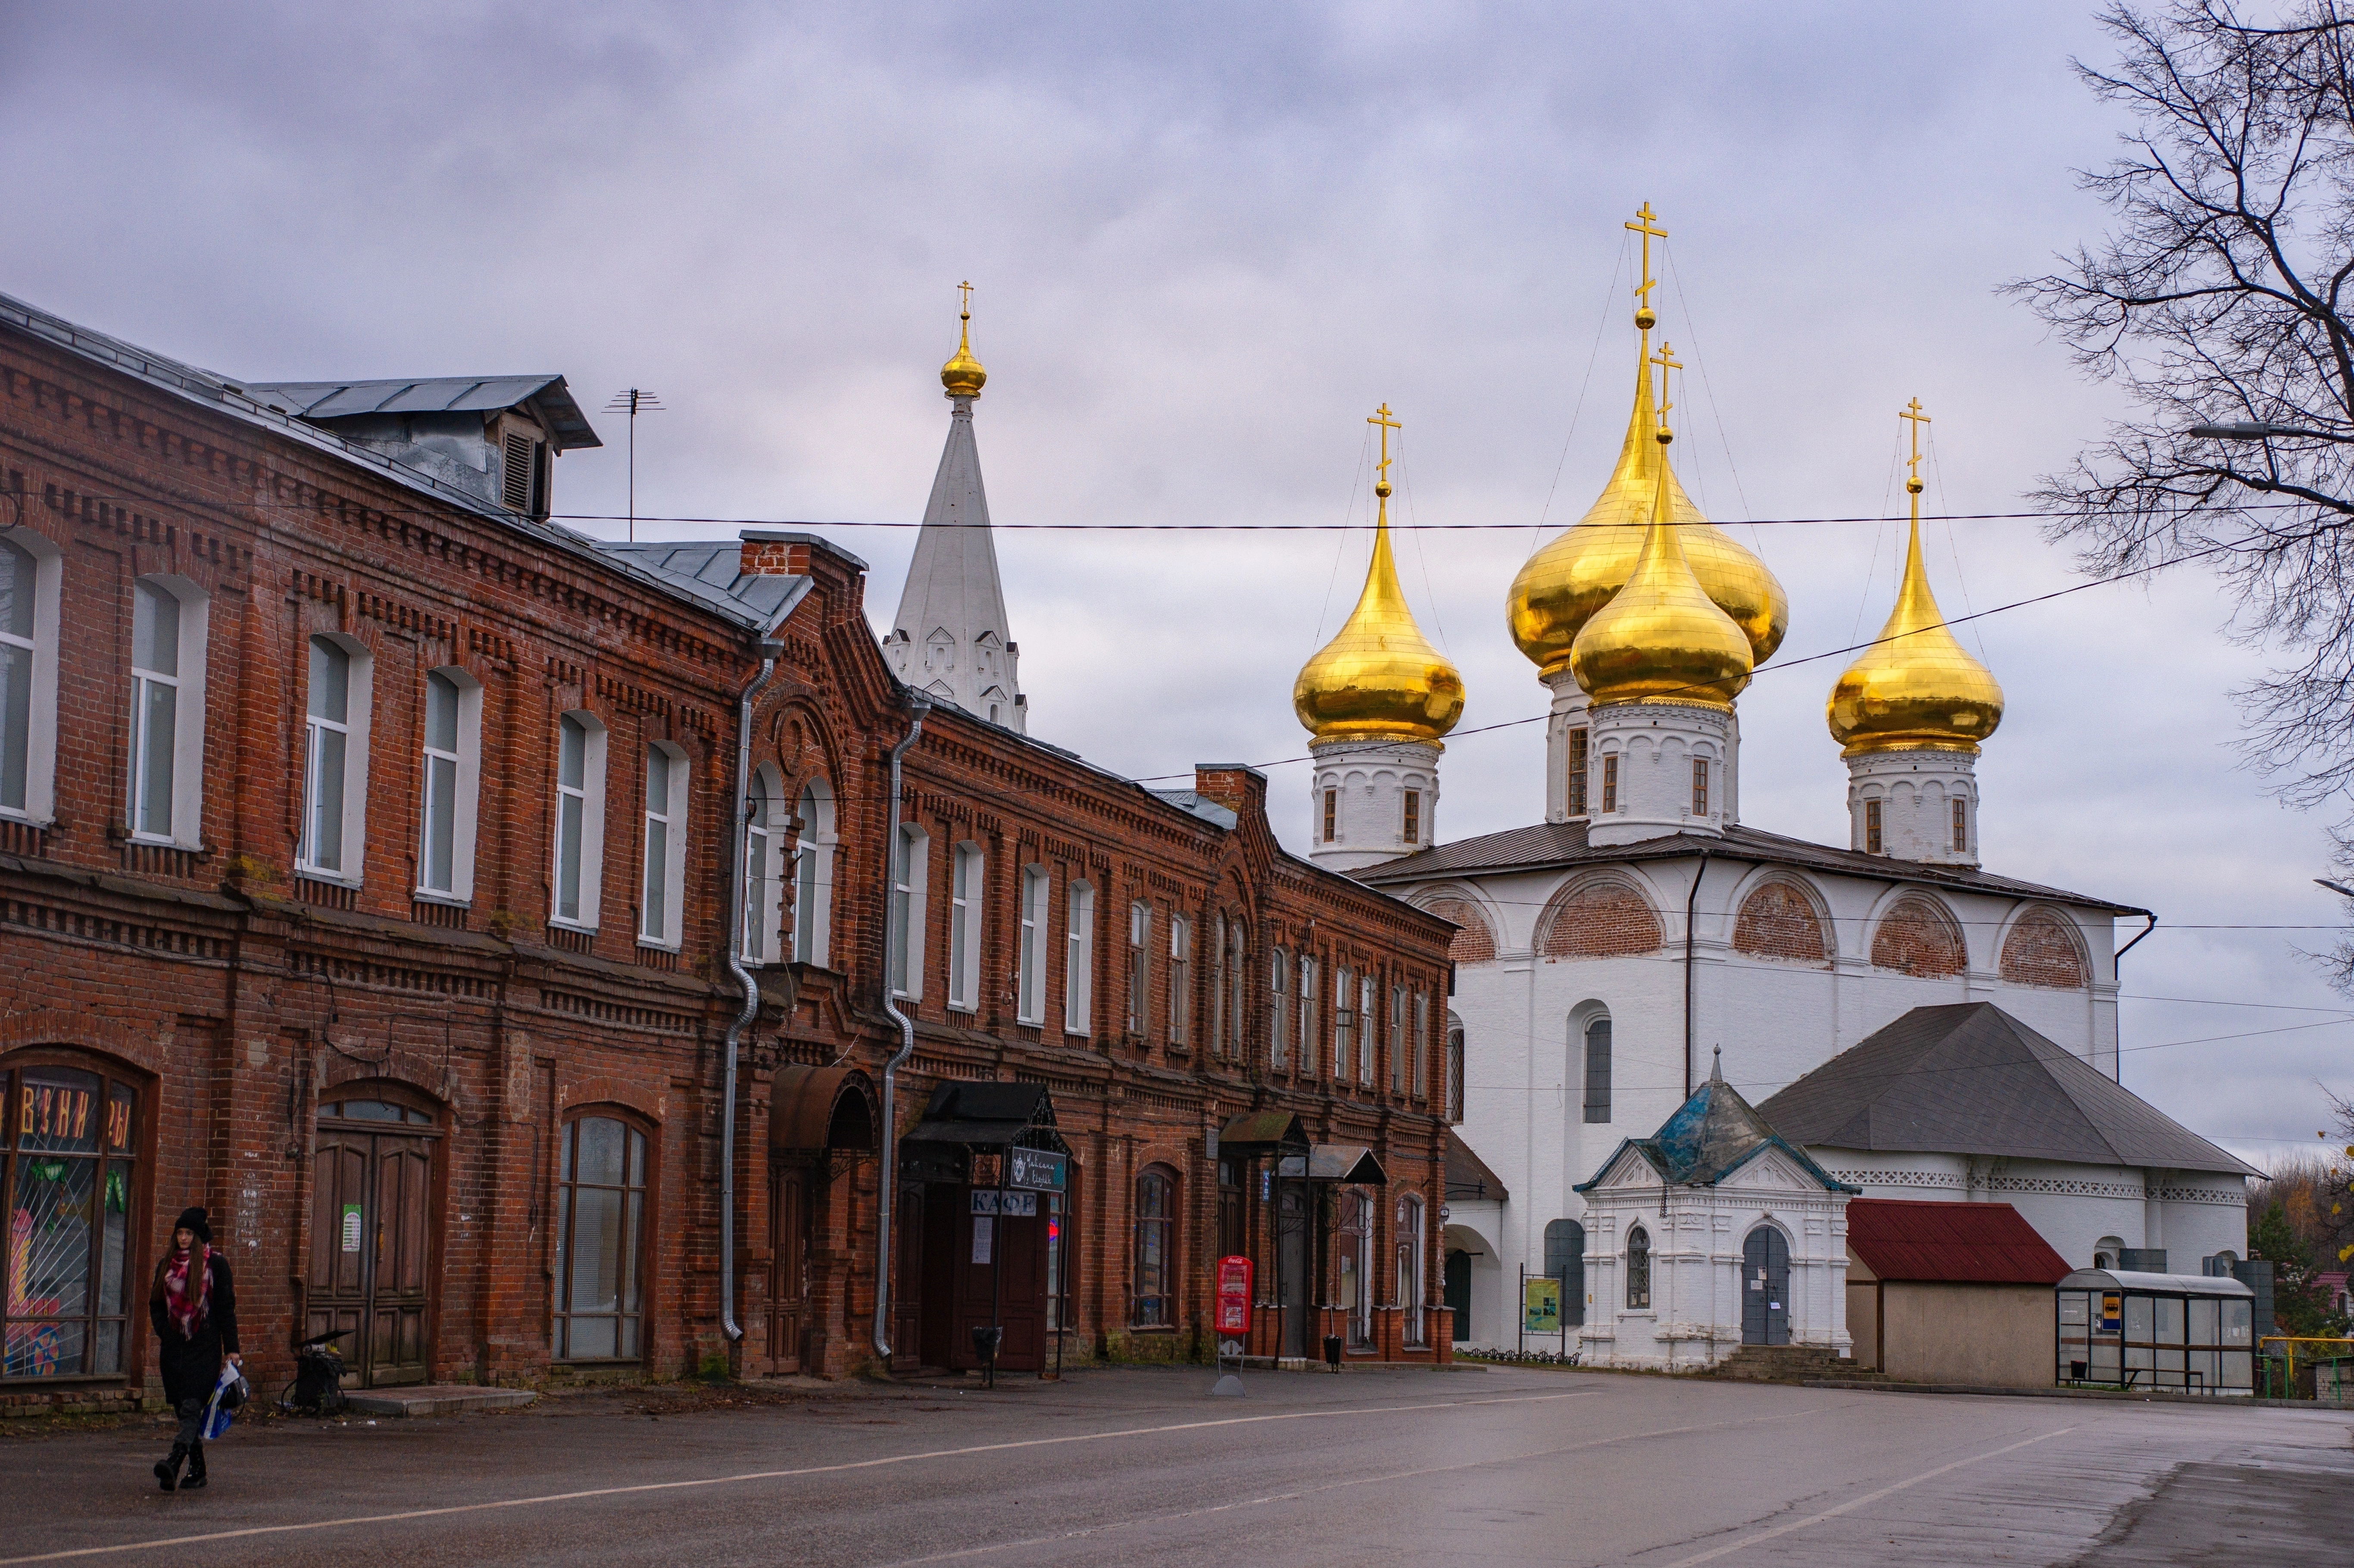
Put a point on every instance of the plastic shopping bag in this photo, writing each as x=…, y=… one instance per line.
x=228, y=1395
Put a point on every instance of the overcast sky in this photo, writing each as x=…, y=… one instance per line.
x=1205, y=241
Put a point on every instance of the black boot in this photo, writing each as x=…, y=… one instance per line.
x=196, y=1476
x=167, y=1469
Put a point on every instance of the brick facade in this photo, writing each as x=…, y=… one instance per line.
x=1599, y=917
x=2043, y=949
x=1917, y=936
x=1777, y=920
x=238, y=996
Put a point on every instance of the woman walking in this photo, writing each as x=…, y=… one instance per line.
x=194, y=1309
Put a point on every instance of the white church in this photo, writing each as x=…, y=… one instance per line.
x=1896, y=1021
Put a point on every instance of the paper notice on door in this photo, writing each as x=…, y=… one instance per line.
x=983, y=1237
x=351, y=1227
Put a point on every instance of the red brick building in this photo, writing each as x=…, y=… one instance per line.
x=369, y=873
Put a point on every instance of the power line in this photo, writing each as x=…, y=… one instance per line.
x=1323, y=527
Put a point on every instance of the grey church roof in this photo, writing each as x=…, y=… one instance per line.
x=1972, y=1079
x=432, y=395
x=1711, y=1136
x=1547, y=845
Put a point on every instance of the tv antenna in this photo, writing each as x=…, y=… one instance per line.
x=634, y=401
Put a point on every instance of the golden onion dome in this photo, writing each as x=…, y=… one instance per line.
x=1662, y=637
x=1563, y=584
x=962, y=375
x=1915, y=688
x=1379, y=679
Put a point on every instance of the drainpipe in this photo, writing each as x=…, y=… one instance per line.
x=886, y=1188
x=727, y=1324
x=2119, y=1063
x=1691, y=902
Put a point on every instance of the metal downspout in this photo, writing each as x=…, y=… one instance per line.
x=1691, y=902
x=887, y=1186
x=727, y=1324
x=2117, y=1062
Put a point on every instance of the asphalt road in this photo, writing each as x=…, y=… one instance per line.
x=1518, y=1468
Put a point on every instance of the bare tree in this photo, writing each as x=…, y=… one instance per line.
x=2219, y=298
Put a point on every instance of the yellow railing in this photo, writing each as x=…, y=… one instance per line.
x=2289, y=1342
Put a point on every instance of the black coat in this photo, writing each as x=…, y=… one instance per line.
x=191, y=1364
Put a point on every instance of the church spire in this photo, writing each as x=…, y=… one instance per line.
x=949, y=637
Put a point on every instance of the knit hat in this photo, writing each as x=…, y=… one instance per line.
x=195, y=1220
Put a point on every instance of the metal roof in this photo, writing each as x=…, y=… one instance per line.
x=1345, y=1162
x=2157, y=1284
x=1968, y=1078
x=1709, y=1136
x=1468, y=1175
x=433, y=394
x=708, y=571
x=989, y=1116
x=1967, y=1244
x=1544, y=846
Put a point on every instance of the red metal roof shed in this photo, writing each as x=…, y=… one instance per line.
x=1976, y=1244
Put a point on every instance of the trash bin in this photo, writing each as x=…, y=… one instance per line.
x=986, y=1338
x=1332, y=1352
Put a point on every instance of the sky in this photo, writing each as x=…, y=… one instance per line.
x=1205, y=241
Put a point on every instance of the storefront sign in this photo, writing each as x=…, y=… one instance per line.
x=1013, y=1205
x=351, y=1227
x=1541, y=1306
x=984, y=1234
x=1233, y=1296
x=1037, y=1170
x=2113, y=1312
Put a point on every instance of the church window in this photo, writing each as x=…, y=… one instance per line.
x=1577, y=756
x=1331, y=813
x=1872, y=842
x=1140, y=963
x=1278, y=1009
x=1961, y=826
x=1700, y=787
x=1597, y=1069
x=1181, y=977
x=1414, y=816
x=1610, y=783
x=1638, y=1269
x=1156, y=1248
x=1454, y=1069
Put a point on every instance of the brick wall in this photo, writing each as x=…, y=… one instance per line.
x=1916, y=936
x=1475, y=943
x=1778, y=921
x=1599, y=919
x=2043, y=949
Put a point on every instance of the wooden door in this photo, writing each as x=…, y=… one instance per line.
x=1009, y=1288
x=371, y=1272
x=789, y=1286
x=907, y=1349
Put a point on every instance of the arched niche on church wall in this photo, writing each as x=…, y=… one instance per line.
x=1780, y=919
x=2043, y=948
x=1916, y=935
x=1475, y=943
x=1599, y=917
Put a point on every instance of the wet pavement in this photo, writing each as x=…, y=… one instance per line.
x=1506, y=1467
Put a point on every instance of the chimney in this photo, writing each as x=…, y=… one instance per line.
x=1237, y=786
x=769, y=555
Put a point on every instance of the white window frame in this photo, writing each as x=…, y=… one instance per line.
x=1422, y=1044
x=1218, y=985
x=41, y=650
x=187, y=717
x=1140, y=967
x=1030, y=978
x=670, y=814
x=910, y=871
x=591, y=849
x=1180, y=977
x=761, y=891
x=968, y=871
x=359, y=688
x=1079, y=960
x=1278, y=1009
x=1368, y=994
x=466, y=782
x=1345, y=1003
x=813, y=875
x=1397, y=1039
x=1311, y=1021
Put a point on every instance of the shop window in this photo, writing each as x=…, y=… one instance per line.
x=1354, y=1266
x=580, y=818
x=813, y=875
x=1156, y=1248
x=68, y=1181
x=28, y=675
x=599, y=1241
x=333, y=844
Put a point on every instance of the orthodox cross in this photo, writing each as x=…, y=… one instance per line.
x=964, y=310
x=1912, y=411
x=1382, y=470
x=1645, y=224
x=1666, y=360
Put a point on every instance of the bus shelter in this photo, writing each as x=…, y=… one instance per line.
x=2187, y=1334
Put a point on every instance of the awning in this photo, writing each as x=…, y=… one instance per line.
x=1263, y=1133
x=1468, y=1175
x=813, y=1108
x=1350, y=1163
x=989, y=1116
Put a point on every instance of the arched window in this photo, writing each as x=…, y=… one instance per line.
x=1156, y=1248
x=28, y=675
x=1638, y=1269
x=1237, y=969
x=1594, y=1040
x=764, y=840
x=1454, y=1069
x=1409, y=1241
x=600, y=1226
x=2108, y=1251
x=1565, y=1260
x=69, y=1143
x=813, y=875
x=1278, y=1009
